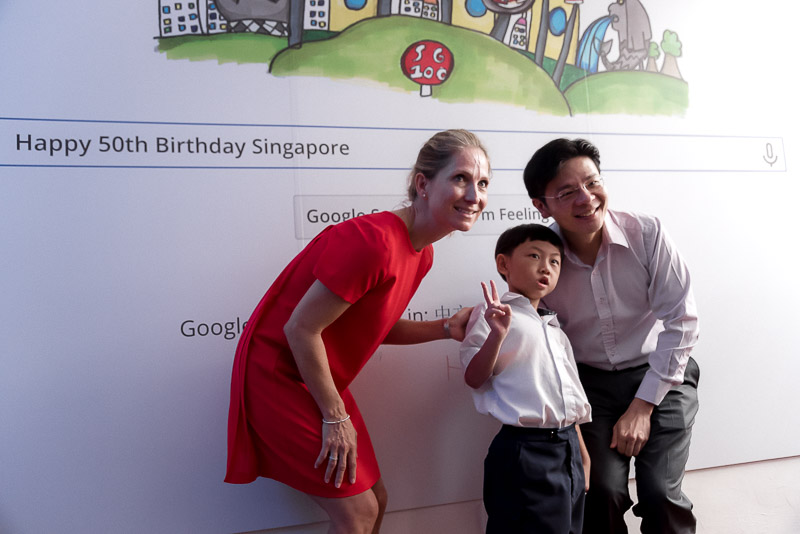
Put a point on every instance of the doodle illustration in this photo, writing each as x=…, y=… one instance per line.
x=630, y=20
x=535, y=54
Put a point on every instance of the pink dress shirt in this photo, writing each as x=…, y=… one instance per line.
x=633, y=306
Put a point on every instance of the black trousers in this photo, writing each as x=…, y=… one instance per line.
x=533, y=482
x=660, y=465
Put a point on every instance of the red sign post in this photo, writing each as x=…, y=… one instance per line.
x=427, y=63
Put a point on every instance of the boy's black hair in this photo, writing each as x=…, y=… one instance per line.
x=517, y=235
x=546, y=162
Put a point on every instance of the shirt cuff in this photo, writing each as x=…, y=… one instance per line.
x=652, y=389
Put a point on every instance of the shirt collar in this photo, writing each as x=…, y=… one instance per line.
x=612, y=232
x=523, y=301
x=612, y=235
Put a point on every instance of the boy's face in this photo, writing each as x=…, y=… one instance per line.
x=580, y=214
x=532, y=269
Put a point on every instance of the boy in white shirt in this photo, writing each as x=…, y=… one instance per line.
x=522, y=371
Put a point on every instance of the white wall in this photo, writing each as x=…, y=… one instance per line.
x=755, y=498
x=117, y=417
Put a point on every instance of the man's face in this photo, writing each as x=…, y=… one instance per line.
x=576, y=199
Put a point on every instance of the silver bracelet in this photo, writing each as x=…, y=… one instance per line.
x=447, y=334
x=335, y=422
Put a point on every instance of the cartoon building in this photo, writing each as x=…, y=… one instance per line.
x=430, y=9
x=317, y=15
x=215, y=22
x=179, y=18
x=410, y=8
x=518, y=37
x=190, y=18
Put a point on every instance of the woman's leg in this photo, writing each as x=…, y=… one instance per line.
x=359, y=514
x=380, y=494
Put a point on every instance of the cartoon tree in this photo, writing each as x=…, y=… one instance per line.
x=544, y=30
x=671, y=46
x=296, y=13
x=562, y=57
x=652, y=56
x=446, y=9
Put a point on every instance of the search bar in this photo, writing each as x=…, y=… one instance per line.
x=29, y=142
x=643, y=152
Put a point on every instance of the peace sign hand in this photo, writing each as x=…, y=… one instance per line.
x=497, y=314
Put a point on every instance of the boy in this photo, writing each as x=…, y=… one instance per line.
x=625, y=300
x=520, y=366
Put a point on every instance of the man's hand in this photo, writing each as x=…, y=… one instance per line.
x=633, y=429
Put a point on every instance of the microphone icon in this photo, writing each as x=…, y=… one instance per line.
x=770, y=156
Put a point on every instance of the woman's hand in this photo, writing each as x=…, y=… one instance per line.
x=457, y=323
x=318, y=308
x=339, y=449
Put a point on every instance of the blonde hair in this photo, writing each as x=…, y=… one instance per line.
x=437, y=152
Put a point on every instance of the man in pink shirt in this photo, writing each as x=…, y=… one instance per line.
x=625, y=301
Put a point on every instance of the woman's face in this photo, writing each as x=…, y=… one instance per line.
x=457, y=195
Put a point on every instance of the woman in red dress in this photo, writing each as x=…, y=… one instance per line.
x=292, y=417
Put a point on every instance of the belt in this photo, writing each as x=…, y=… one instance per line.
x=538, y=434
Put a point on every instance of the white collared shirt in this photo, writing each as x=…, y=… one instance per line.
x=633, y=306
x=536, y=380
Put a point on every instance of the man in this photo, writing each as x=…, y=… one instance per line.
x=625, y=301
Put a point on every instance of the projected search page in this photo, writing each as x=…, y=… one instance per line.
x=28, y=142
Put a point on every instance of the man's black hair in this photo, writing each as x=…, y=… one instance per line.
x=543, y=167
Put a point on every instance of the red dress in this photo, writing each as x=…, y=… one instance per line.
x=274, y=425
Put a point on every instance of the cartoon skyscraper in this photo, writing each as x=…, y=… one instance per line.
x=317, y=15
x=179, y=18
x=410, y=8
x=519, y=34
x=430, y=9
x=215, y=22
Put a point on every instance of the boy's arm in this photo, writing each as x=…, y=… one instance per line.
x=482, y=365
x=587, y=462
x=498, y=317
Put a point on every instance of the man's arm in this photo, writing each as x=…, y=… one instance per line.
x=633, y=429
x=672, y=301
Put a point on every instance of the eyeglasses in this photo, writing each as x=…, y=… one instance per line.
x=592, y=186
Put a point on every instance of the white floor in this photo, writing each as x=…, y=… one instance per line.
x=757, y=498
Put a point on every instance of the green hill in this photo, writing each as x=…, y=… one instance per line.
x=484, y=69
x=629, y=92
x=224, y=47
